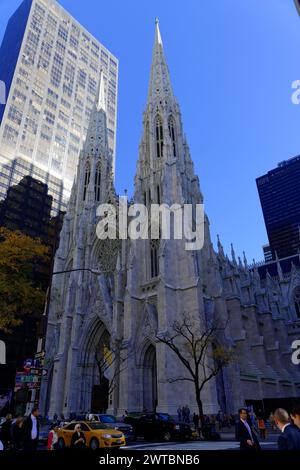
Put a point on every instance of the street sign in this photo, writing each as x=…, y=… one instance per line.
x=31, y=363
x=39, y=355
x=19, y=376
x=35, y=371
x=33, y=386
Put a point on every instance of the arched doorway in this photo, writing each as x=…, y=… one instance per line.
x=101, y=386
x=150, y=379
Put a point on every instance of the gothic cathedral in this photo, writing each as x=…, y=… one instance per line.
x=120, y=294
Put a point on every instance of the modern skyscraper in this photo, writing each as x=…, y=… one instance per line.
x=279, y=192
x=50, y=66
x=297, y=3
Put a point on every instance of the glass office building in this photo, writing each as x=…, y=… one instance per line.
x=279, y=192
x=50, y=66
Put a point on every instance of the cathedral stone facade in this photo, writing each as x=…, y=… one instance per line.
x=118, y=295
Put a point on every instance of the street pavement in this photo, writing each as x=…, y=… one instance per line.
x=227, y=442
x=196, y=445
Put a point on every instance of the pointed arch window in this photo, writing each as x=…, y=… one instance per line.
x=154, y=245
x=87, y=177
x=159, y=137
x=158, y=194
x=98, y=182
x=172, y=133
x=147, y=141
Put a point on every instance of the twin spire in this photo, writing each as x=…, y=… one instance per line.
x=101, y=95
x=160, y=83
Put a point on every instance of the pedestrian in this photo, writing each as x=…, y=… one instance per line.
x=289, y=438
x=17, y=433
x=262, y=427
x=295, y=415
x=253, y=420
x=52, y=443
x=31, y=430
x=183, y=414
x=6, y=432
x=187, y=414
x=78, y=440
x=212, y=423
x=179, y=413
x=219, y=419
x=196, y=422
x=245, y=433
x=271, y=419
x=226, y=421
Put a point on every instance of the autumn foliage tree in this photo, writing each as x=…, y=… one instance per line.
x=21, y=293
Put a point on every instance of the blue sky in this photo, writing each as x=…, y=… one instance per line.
x=232, y=63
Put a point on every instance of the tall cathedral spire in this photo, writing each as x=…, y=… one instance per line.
x=160, y=83
x=94, y=172
x=165, y=172
x=101, y=96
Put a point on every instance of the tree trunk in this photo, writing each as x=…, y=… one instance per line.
x=200, y=408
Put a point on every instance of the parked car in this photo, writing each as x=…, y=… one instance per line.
x=113, y=422
x=158, y=426
x=209, y=432
x=96, y=434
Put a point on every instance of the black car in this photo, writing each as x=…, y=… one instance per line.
x=158, y=426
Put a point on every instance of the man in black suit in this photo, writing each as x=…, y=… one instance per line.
x=245, y=432
x=31, y=430
x=289, y=438
x=295, y=415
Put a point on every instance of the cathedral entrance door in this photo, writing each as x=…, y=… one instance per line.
x=100, y=388
x=100, y=397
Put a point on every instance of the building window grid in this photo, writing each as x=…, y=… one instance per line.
x=56, y=77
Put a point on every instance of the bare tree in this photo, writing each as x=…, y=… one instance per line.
x=111, y=362
x=200, y=351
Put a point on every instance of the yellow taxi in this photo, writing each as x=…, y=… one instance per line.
x=96, y=435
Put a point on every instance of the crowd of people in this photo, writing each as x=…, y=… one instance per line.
x=22, y=433
x=249, y=428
